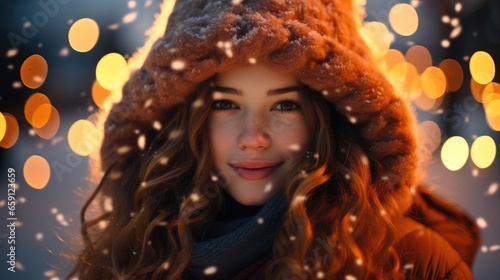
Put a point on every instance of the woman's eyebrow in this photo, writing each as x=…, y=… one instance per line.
x=282, y=90
x=271, y=92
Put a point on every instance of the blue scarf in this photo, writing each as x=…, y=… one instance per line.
x=232, y=245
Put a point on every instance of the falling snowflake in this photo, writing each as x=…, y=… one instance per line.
x=484, y=249
x=49, y=273
x=445, y=43
x=456, y=32
x=492, y=189
x=12, y=52
x=39, y=236
x=260, y=221
x=359, y=262
x=165, y=265
x=350, y=277
x=17, y=85
x=269, y=187
x=294, y=147
x=458, y=7
x=236, y=2
x=163, y=160
x=148, y=103
x=123, y=150
x=108, y=204
x=195, y=197
x=114, y=26
x=494, y=247
x=131, y=4
x=210, y=270
x=141, y=142
x=130, y=17
x=252, y=60
x=178, y=65
x=64, y=51
x=102, y=224
x=408, y=266
x=481, y=222
x=157, y=125
x=198, y=103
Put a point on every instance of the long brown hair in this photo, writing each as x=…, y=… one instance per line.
x=336, y=224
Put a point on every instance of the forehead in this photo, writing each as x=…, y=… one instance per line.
x=255, y=77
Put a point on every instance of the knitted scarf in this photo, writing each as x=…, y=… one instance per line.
x=231, y=245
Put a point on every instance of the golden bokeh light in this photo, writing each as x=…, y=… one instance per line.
x=34, y=71
x=32, y=104
x=477, y=90
x=433, y=82
x=493, y=122
x=483, y=151
x=402, y=76
x=100, y=95
x=492, y=109
x=482, y=67
x=378, y=37
x=454, y=74
x=454, y=153
x=50, y=128
x=111, y=71
x=41, y=115
x=392, y=58
x=36, y=172
x=403, y=19
x=83, y=35
x=11, y=132
x=420, y=57
x=429, y=136
x=3, y=126
x=83, y=137
x=490, y=92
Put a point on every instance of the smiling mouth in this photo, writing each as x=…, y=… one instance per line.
x=254, y=173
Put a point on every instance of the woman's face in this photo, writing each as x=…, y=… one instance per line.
x=256, y=128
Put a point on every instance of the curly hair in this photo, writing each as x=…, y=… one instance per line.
x=154, y=203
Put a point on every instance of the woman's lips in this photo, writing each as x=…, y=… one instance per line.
x=254, y=170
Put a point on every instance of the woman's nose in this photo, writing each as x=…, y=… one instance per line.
x=254, y=135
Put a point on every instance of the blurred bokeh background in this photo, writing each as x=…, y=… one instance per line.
x=61, y=58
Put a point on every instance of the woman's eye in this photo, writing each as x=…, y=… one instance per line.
x=286, y=106
x=223, y=105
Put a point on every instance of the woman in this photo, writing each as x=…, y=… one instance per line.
x=247, y=173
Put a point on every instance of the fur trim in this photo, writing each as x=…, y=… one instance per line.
x=315, y=40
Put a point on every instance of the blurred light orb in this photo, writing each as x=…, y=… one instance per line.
x=3, y=126
x=100, y=95
x=50, y=128
x=11, y=131
x=483, y=151
x=420, y=57
x=433, y=82
x=403, y=19
x=41, y=115
x=83, y=35
x=482, y=67
x=83, y=137
x=111, y=71
x=34, y=71
x=454, y=74
x=378, y=38
x=36, y=172
x=454, y=153
x=34, y=102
